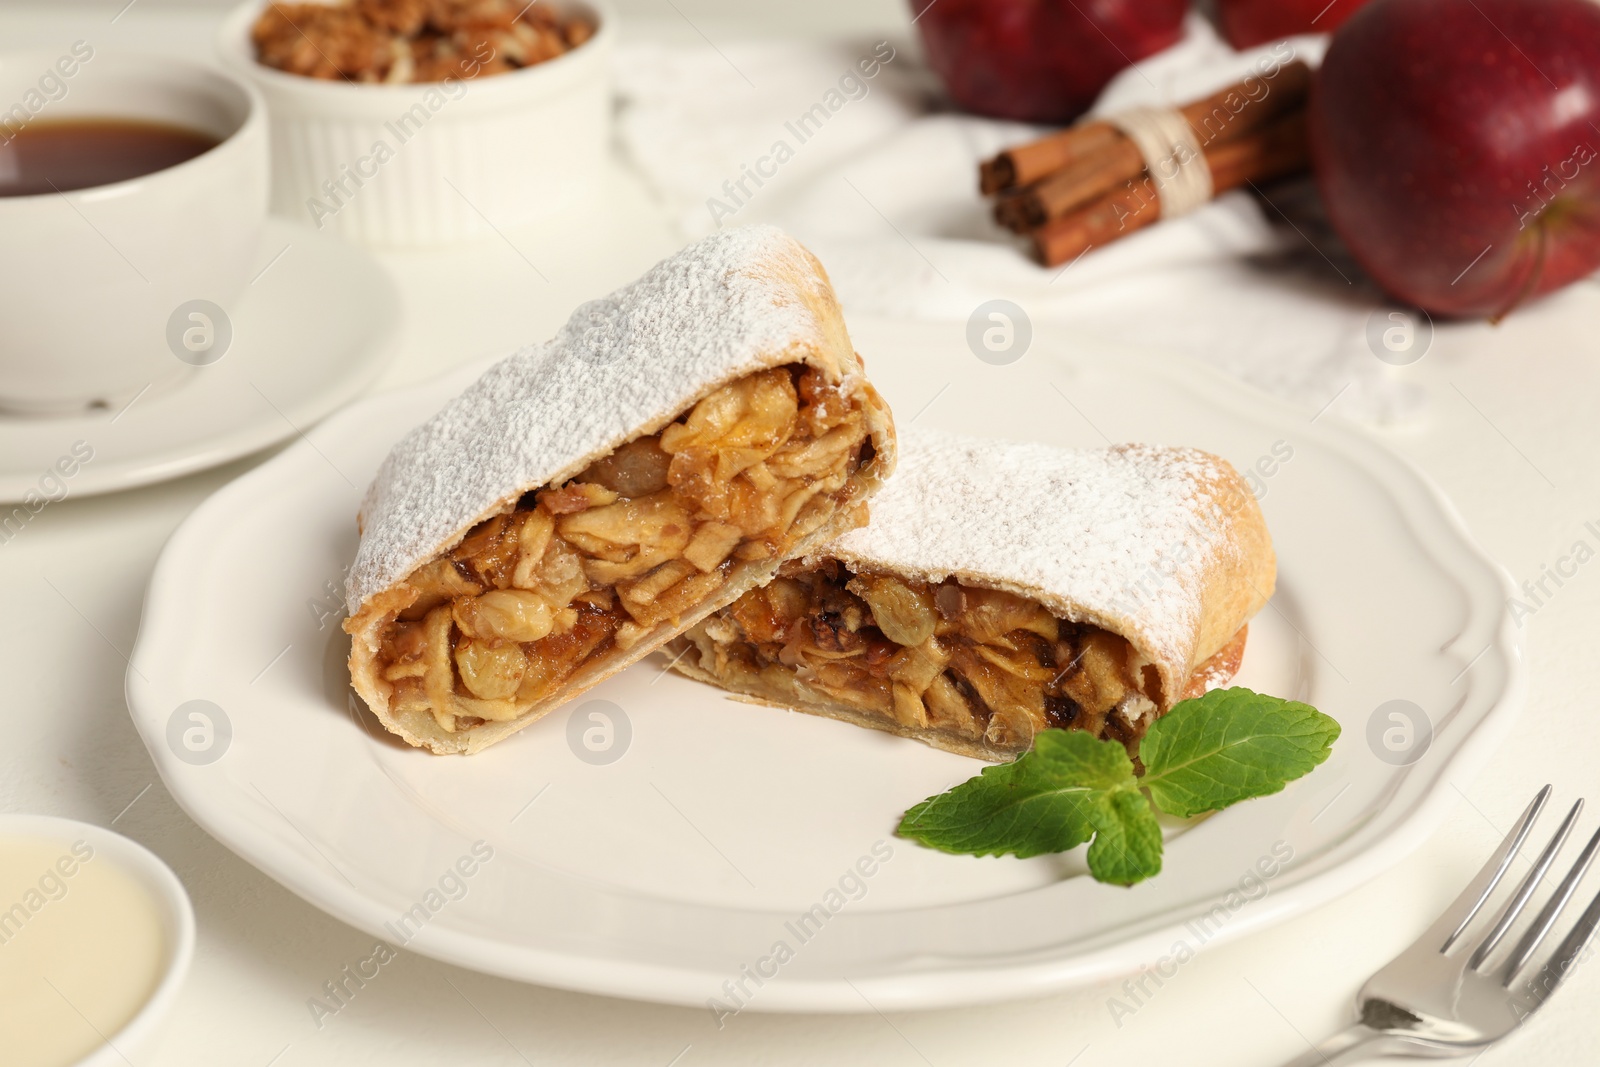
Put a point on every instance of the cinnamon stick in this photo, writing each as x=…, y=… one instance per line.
x=1223, y=117
x=1073, y=186
x=1079, y=177
x=1027, y=163
x=1280, y=149
x=1008, y=213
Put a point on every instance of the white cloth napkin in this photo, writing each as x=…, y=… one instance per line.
x=882, y=184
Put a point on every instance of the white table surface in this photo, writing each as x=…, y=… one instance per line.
x=1511, y=437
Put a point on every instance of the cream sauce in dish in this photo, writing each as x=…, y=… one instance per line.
x=82, y=948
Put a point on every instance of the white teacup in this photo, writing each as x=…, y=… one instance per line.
x=93, y=282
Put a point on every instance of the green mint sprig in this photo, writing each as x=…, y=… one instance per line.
x=1203, y=755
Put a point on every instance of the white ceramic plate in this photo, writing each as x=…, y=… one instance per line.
x=675, y=868
x=310, y=333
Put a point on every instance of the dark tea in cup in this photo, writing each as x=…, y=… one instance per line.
x=60, y=156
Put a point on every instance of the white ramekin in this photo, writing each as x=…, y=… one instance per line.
x=483, y=154
x=137, y=1039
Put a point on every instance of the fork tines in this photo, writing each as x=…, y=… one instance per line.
x=1472, y=901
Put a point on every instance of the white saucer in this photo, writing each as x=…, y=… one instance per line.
x=669, y=872
x=309, y=334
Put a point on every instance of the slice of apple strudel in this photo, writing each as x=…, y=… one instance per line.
x=1002, y=589
x=589, y=498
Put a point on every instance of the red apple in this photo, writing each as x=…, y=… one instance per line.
x=1247, y=23
x=1040, y=60
x=1457, y=147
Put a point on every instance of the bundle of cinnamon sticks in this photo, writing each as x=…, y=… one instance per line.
x=1088, y=185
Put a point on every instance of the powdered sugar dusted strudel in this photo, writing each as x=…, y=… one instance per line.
x=592, y=496
x=1000, y=589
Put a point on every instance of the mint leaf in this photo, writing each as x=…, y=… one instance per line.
x=1069, y=788
x=1127, y=846
x=1231, y=745
x=1203, y=755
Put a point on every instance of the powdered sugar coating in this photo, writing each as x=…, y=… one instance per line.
x=1122, y=538
x=738, y=301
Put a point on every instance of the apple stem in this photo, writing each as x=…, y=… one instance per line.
x=1535, y=272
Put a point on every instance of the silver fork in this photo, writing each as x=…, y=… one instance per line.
x=1445, y=995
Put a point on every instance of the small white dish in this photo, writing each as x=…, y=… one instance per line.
x=311, y=331
x=432, y=162
x=137, y=1038
x=657, y=840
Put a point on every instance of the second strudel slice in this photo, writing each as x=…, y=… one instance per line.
x=1002, y=589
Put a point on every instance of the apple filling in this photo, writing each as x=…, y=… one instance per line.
x=642, y=537
x=912, y=657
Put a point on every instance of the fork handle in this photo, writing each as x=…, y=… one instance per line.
x=1347, y=1046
